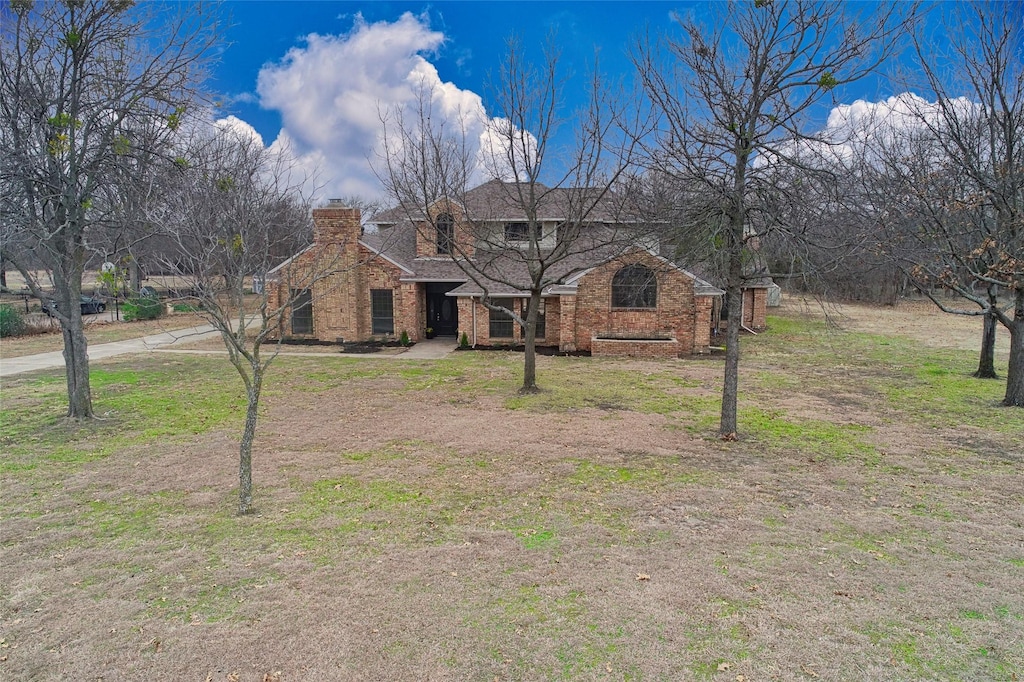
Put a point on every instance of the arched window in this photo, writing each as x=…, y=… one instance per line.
x=635, y=286
x=445, y=234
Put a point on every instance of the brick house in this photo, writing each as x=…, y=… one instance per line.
x=406, y=276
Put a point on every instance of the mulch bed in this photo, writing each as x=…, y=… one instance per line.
x=357, y=347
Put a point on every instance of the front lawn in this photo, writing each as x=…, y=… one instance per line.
x=421, y=520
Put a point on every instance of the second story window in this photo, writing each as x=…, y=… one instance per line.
x=517, y=232
x=445, y=234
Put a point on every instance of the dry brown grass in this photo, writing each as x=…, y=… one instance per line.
x=421, y=521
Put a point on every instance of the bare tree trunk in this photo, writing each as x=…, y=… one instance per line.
x=245, y=449
x=730, y=388
x=530, y=344
x=76, y=367
x=69, y=312
x=1015, y=372
x=987, y=360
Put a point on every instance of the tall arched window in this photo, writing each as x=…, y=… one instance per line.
x=635, y=286
x=445, y=234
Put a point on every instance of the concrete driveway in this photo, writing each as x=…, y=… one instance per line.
x=55, y=359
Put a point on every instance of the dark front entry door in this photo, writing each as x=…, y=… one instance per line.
x=442, y=311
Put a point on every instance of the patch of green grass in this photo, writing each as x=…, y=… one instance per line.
x=593, y=474
x=349, y=493
x=593, y=384
x=821, y=439
x=431, y=376
x=135, y=405
x=130, y=520
x=715, y=646
x=880, y=547
x=932, y=386
x=938, y=390
x=537, y=539
x=949, y=651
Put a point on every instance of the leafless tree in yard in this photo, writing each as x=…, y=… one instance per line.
x=430, y=169
x=236, y=210
x=962, y=184
x=736, y=96
x=78, y=82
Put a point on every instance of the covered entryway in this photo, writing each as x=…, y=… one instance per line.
x=442, y=311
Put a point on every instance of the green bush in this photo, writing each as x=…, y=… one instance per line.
x=142, y=309
x=404, y=338
x=463, y=341
x=11, y=321
x=186, y=308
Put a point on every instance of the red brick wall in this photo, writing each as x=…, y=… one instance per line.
x=336, y=231
x=483, y=322
x=755, y=308
x=567, y=324
x=704, y=306
x=636, y=349
x=341, y=300
x=673, y=317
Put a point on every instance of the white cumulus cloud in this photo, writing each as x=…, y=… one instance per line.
x=333, y=90
x=863, y=129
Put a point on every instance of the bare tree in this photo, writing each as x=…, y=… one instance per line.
x=963, y=181
x=736, y=97
x=235, y=213
x=78, y=80
x=433, y=170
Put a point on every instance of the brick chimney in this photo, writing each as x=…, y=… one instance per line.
x=337, y=223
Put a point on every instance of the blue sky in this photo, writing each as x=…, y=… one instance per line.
x=320, y=94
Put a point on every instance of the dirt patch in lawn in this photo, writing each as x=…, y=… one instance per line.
x=421, y=520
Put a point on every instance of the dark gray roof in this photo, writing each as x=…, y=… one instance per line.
x=396, y=241
x=504, y=201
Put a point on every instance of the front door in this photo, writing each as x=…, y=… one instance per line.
x=442, y=311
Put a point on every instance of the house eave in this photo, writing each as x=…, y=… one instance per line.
x=386, y=257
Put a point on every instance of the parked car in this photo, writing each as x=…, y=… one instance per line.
x=90, y=306
x=148, y=292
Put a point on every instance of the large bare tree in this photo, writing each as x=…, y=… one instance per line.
x=78, y=82
x=962, y=181
x=737, y=96
x=537, y=163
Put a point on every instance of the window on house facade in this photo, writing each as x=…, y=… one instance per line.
x=500, y=320
x=302, y=311
x=517, y=232
x=539, y=332
x=564, y=232
x=635, y=286
x=382, y=311
x=445, y=234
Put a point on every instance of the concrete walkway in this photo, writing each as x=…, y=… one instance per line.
x=433, y=349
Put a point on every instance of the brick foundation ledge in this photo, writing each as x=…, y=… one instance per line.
x=634, y=348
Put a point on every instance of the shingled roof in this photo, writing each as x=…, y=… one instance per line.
x=496, y=201
x=500, y=201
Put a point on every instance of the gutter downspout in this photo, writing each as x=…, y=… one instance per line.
x=472, y=302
